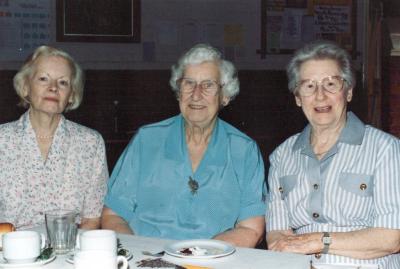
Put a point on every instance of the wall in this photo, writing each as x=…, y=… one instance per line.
x=168, y=24
x=264, y=108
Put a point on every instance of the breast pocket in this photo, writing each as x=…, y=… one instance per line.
x=357, y=184
x=357, y=192
x=286, y=185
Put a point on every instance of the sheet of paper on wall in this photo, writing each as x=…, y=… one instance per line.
x=25, y=23
x=292, y=28
x=167, y=33
x=332, y=19
x=214, y=34
x=190, y=35
x=233, y=35
x=274, y=27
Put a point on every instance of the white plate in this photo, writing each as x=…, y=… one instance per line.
x=128, y=256
x=213, y=248
x=5, y=264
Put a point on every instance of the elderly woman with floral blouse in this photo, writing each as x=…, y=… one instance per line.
x=46, y=161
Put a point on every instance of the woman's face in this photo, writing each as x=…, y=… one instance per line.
x=323, y=109
x=49, y=87
x=198, y=108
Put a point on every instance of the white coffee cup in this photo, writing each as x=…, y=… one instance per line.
x=98, y=240
x=99, y=259
x=22, y=246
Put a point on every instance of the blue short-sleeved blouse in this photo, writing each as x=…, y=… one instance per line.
x=149, y=185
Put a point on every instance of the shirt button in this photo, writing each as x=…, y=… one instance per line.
x=318, y=256
x=363, y=186
x=315, y=215
x=316, y=186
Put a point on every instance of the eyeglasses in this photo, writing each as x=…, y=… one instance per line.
x=308, y=87
x=207, y=87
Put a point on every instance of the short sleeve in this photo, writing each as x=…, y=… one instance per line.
x=253, y=185
x=94, y=195
x=387, y=186
x=121, y=194
x=277, y=213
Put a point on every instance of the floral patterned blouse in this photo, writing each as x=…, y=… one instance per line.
x=73, y=176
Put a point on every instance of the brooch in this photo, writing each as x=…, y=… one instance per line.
x=193, y=185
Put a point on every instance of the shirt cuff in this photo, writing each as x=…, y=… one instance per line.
x=119, y=207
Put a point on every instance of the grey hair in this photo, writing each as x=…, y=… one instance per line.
x=27, y=69
x=320, y=50
x=201, y=53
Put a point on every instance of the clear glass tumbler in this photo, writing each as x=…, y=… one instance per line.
x=62, y=227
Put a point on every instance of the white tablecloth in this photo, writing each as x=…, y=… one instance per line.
x=242, y=258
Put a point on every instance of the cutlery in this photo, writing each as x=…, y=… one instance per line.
x=158, y=254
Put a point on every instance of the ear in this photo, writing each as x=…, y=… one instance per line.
x=225, y=101
x=298, y=100
x=349, y=95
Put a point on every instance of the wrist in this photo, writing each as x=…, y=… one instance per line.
x=326, y=241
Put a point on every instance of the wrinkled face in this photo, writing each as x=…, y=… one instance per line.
x=323, y=109
x=198, y=108
x=48, y=89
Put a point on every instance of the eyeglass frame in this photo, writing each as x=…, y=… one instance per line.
x=198, y=84
x=319, y=83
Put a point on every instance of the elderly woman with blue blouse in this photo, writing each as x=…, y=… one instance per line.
x=192, y=175
x=334, y=186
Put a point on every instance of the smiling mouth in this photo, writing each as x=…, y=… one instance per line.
x=323, y=109
x=197, y=107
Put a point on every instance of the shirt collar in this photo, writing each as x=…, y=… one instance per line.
x=352, y=133
x=176, y=148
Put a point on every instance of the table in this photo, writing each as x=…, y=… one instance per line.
x=242, y=258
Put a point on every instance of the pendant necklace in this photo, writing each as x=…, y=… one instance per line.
x=193, y=185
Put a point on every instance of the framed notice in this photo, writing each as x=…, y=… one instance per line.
x=287, y=25
x=98, y=20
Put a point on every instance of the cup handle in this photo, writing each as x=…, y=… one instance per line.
x=42, y=241
x=124, y=261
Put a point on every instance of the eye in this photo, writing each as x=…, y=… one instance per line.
x=64, y=83
x=43, y=78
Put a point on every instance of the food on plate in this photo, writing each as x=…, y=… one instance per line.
x=194, y=251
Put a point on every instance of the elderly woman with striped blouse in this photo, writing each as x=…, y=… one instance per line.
x=334, y=187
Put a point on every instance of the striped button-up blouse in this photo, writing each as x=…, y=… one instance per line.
x=355, y=186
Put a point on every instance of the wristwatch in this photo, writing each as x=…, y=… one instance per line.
x=327, y=240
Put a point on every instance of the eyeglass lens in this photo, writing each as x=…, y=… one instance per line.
x=331, y=84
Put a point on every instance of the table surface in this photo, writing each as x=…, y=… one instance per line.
x=242, y=258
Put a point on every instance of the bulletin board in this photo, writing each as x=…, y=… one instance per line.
x=288, y=24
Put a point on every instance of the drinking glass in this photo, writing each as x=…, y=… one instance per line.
x=62, y=227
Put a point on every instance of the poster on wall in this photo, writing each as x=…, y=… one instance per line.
x=24, y=25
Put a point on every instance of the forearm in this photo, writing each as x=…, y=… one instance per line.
x=362, y=244
x=241, y=237
x=112, y=221
x=247, y=233
x=90, y=223
x=366, y=244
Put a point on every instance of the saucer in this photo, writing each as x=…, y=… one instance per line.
x=128, y=256
x=5, y=264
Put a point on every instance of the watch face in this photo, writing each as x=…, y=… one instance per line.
x=326, y=240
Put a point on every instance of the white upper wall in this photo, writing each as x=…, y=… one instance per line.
x=173, y=26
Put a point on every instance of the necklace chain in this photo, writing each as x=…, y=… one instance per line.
x=44, y=136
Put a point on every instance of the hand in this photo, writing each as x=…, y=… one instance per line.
x=302, y=243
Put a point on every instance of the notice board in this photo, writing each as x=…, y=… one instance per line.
x=288, y=24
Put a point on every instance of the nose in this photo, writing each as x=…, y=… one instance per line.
x=53, y=86
x=197, y=95
x=320, y=92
